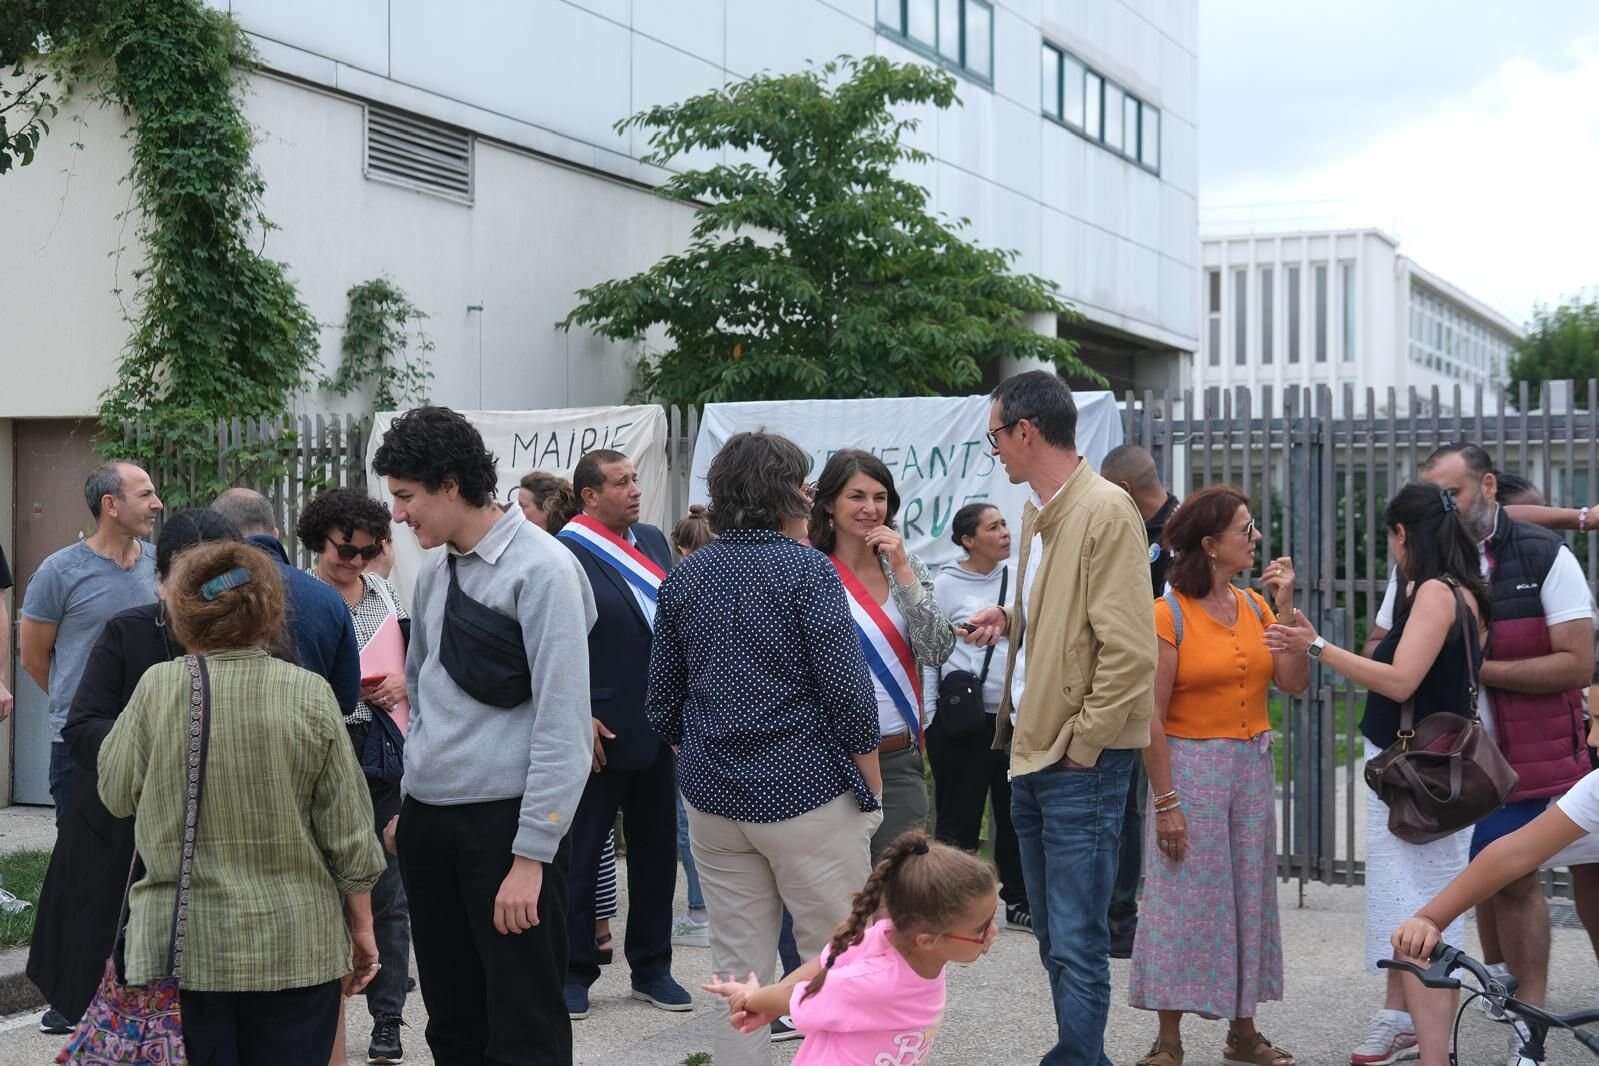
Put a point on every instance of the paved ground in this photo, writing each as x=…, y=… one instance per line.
x=999, y=1008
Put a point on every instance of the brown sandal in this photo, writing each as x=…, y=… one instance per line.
x=1163, y=1055
x=1258, y=1052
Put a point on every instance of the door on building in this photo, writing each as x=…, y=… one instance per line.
x=53, y=458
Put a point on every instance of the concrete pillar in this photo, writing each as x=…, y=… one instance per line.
x=1041, y=322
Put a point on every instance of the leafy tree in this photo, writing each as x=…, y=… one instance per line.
x=1563, y=344
x=823, y=274
x=28, y=99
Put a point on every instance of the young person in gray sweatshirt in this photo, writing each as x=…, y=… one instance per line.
x=498, y=750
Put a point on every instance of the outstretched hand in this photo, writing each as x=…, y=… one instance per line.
x=737, y=994
x=1291, y=637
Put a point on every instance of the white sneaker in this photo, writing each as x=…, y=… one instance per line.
x=687, y=933
x=1500, y=973
x=1390, y=1038
x=1518, y=1033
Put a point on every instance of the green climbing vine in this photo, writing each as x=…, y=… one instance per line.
x=379, y=349
x=217, y=330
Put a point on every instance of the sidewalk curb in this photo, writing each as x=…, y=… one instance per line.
x=17, y=991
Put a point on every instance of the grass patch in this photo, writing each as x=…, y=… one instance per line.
x=699, y=1058
x=23, y=874
x=1347, y=709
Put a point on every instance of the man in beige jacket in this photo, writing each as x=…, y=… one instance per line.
x=1077, y=694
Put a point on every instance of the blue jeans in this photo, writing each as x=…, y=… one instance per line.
x=1069, y=823
x=696, y=897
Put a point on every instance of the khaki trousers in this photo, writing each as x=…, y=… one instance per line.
x=812, y=864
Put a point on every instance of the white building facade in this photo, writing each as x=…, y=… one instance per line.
x=1342, y=309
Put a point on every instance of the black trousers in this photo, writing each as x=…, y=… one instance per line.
x=966, y=775
x=492, y=1000
x=647, y=801
x=269, y=1028
x=1130, y=860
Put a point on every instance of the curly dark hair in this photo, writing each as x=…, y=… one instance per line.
x=757, y=481
x=434, y=445
x=345, y=510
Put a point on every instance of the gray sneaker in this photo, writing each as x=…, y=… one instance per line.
x=687, y=933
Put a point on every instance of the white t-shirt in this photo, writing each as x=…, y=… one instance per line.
x=1581, y=805
x=1564, y=596
x=1035, y=552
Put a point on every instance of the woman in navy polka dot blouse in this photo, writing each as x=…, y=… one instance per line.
x=758, y=679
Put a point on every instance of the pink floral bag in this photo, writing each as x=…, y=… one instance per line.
x=128, y=1025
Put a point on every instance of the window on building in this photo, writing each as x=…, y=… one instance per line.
x=1093, y=104
x=1213, y=316
x=1346, y=282
x=1072, y=74
x=959, y=32
x=1291, y=295
x=1149, y=138
x=1130, y=125
x=1240, y=317
x=1320, y=294
x=1050, y=68
x=1265, y=315
x=1113, y=110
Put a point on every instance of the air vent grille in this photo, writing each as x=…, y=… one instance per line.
x=418, y=153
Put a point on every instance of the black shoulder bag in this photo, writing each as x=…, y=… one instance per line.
x=482, y=650
x=960, y=692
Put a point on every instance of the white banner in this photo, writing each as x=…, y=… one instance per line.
x=934, y=446
x=552, y=441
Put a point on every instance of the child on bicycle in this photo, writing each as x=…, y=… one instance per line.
x=876, y=994
x=1510, y=857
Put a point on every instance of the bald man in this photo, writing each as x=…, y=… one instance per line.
x=1133, y=468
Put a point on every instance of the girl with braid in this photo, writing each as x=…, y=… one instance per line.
x=876, y=995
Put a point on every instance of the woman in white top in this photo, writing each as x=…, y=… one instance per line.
x=903, y=630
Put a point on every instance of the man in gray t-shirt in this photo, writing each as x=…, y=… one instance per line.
x=76, y=589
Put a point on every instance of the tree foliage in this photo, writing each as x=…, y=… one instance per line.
x=1562, y=345
x=822, y=274
x=28, y=98
x=379, y=349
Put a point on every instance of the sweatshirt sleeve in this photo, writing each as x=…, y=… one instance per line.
x=341, y=809
x=1117, y=597
x=562, y=746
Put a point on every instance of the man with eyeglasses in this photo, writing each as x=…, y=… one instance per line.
x=324, y=636
x=1078, y=694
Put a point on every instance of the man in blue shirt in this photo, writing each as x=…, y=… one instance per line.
x=324, y=636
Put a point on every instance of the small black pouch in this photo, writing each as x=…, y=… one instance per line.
x=482, y=650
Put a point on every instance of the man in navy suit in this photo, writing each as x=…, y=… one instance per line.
x=634, y=771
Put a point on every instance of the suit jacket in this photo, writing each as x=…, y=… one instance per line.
x=619, y=654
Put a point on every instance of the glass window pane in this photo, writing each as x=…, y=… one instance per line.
x=949, y=29
x=1265, y=307
x=979, y=37
x=1050, y=75
x=1240, y=317
x=1320, y=293
x=923, y=21
x=1149, y=138
x=1213, y=305
x=891, y=13
x=1214, y=337
x=1072, y=91
x=1130, y=125
x=1346, y=282
x=1113, y=109
x=1292, y=296
x=1091, y=104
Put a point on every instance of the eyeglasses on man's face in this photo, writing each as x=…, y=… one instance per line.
x=993, y=434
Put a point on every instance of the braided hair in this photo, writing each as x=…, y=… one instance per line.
x=923, y=885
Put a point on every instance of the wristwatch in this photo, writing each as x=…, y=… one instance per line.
x=1314, y=651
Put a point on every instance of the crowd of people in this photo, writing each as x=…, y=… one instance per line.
x=287, y=783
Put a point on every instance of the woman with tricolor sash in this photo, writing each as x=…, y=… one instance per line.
x=899, y=622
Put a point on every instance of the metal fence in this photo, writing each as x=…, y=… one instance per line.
x=1318, y=486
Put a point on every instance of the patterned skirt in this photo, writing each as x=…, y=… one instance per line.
x=1208, y=938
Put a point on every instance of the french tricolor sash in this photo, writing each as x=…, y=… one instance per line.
x=887, y=653
x=636, y=568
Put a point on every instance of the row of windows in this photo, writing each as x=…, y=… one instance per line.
x=1088, y=103
x=958, y=32
x=1451, y=341
x=1292, y=304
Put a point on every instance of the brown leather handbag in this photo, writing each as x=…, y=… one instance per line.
x=1447, y=773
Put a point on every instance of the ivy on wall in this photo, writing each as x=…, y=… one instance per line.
x=379, y=349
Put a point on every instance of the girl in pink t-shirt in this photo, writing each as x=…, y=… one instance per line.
x=876, y=995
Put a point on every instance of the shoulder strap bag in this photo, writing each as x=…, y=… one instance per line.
x=960, y=692
x=1446, y=773
x=128, y=1025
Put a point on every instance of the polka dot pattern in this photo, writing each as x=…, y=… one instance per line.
x=757, y=674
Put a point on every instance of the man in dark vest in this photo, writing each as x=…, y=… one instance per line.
x=1134, y=470
x=634, y=771
x=1540, y=661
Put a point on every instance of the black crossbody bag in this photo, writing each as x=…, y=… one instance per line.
x=960, y=692
x=482, y=650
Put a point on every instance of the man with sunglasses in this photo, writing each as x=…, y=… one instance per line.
x=324, y=636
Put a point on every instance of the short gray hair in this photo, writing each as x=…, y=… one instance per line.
x=104, y=481
x=248, y=510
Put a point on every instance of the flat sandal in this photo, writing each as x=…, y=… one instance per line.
x=1162, y=1054
x=1259, y=1052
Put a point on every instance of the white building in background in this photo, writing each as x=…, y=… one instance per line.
x=469, y=152
x=1343, y=309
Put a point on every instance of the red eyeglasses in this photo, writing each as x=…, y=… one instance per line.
x=981, y=937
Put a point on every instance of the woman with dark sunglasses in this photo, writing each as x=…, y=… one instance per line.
x=346, y=530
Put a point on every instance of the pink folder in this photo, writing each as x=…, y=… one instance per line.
x=383, y=655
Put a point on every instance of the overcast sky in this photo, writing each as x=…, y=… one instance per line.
x=1469, y=130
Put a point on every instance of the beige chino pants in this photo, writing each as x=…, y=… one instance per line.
x=812, y=864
